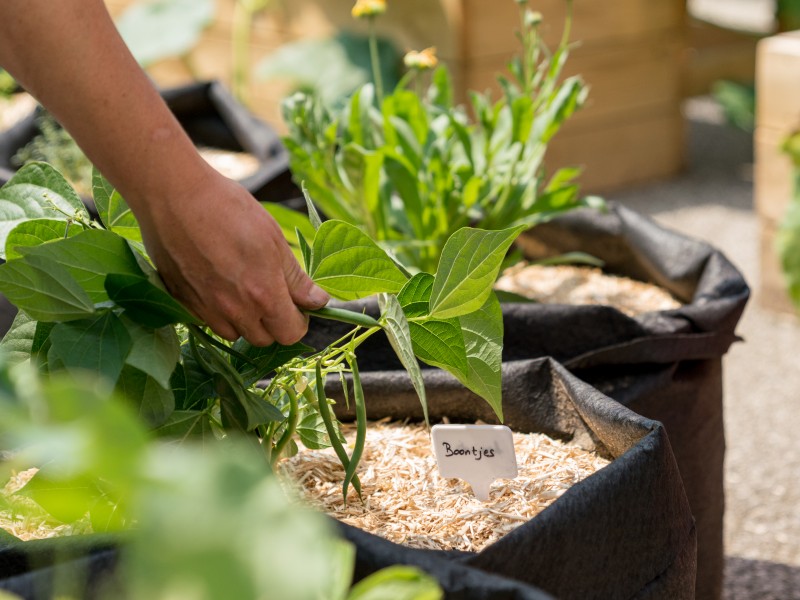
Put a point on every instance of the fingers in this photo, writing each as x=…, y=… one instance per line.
x=304, y=292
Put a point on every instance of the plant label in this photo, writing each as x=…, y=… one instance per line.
x=478, y=454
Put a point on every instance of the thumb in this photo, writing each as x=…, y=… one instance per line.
x=304, y=292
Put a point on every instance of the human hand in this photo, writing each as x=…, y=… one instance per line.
x=224, y=257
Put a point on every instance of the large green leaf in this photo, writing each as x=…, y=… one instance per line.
x=100, y=344
x=312, y=432
x=468, y=267
x=290, y=221
x=36, y=191
x=36, y=232
x=154, y=351
x=145, y=303
x=347, y=264
x=44, y=289
x=192, y=386
x=483, y=339
x=114, y=212
x=162, y=29
x=438, y=342
x=152, y=402
x=89, y=257
x=397, y=331
x=17, y=343
x=185, y=424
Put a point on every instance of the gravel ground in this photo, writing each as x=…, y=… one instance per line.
x=713, y=200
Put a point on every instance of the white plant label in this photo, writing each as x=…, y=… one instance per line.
x=478, y=454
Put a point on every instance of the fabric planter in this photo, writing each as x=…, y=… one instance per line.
x=211, y=117
x=625, y=532
x=666, y=366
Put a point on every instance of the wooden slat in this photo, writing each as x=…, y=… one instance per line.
x=490, y=24
x=772, y=293
x=773, y=174
x=622, y=154
x=624, y=79
x=715, y=53
x=778, y=81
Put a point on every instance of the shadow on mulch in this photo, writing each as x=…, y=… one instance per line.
x=747, y=579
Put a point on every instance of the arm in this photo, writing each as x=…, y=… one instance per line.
x=216, y=248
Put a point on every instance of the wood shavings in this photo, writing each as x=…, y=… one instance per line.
x=26, y=520
x=406, y=502
x=585, y=285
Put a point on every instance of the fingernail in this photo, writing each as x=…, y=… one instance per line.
x=318, y=297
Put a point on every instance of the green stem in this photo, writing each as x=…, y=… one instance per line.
x=266, y=441
x=345, y=316
x=291, y=427
x=376, y=63
x=198, y=331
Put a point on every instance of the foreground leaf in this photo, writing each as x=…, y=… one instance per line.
x=43, y=289
x=397, y=583
x=146, y=303
x=99, y=345
x=17, y=343
x=153, y=403
x=36, y=191
x=38, y=231
x=437, y=342
x=468, y=267
x=90, y=257
x=346, y=263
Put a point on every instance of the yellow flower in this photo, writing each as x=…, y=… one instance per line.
x=422, y=61
x=368, y=8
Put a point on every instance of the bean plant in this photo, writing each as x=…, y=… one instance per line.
x=413, y=167
x=89, y=299
x=93, y=456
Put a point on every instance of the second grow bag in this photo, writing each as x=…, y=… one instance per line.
x=665, y=365
x=624, y=532
x=212, y=118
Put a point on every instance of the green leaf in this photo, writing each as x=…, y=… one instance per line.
x=36, y=191
x=346, y=263
x=437, y=342
x=468, y=268
x=192, y=386
x=114, y=212
x=312, y=432
x=18, y=341
x=44, y=289
x=185, y=424
x=153, y=403
x=397, y=331
x=36, y=232
x=313, y=215
x=483, y=340
x=65, y=499
x=145, y=303
x=397, y=583
x=89, y=257
x=160, y=29
x=260, y=411
x=154, y=351
x=305, y=250
x=99, y=345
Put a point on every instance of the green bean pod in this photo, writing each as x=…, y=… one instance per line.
x=327, y=419
x=361, y=426
x=291, y=427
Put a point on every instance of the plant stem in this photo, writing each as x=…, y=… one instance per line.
x=345, y=316
x=376, y=62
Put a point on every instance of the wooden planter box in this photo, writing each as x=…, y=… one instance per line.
x=630, y=52
x=778, y=113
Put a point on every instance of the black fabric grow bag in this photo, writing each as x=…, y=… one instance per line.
x=81, y=566
x=211, y=117
x=666, y=366
x=625, y=532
